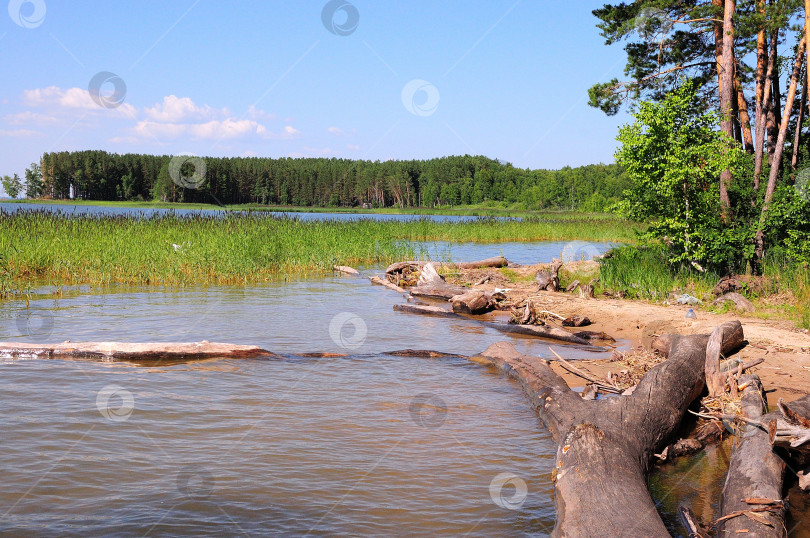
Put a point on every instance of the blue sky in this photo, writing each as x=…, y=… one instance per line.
x=504, y=79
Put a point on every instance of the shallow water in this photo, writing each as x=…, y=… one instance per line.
x=370, y=445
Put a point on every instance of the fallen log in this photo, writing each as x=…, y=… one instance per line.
x=605, y=447
x=731, y=342
x=129, y=351
x=496, y=262
x=380, y=282
x=754, y=471
x=425, y=310
x=345, y=269
x=542, y=331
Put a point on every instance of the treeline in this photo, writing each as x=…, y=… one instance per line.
x=446, y=181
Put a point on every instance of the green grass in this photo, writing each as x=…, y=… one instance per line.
x=644, y=273
x=42, y=247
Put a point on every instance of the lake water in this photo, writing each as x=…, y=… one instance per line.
x=368, y=443
x=79, y=209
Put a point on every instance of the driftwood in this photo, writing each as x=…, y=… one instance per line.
x=576, y=321
x=790, y=428
x=472, y=302
x=605, y=447
x=432, y=284
x=129, y=351
x=391, y=286
x=540, y=331
x=740, y=302
x=496, y=262
x=754, y=472
x=425, y=310
x=345, y=269
x=572, y=286
x=549, y=280
x=731, y=341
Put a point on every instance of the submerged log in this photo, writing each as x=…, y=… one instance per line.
x=345, y=269
x=605, y=447
x=754, y=472
x=425, y=310
x=130, y=351
x=380, y=282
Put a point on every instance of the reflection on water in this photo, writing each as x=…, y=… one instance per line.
x=293, y=446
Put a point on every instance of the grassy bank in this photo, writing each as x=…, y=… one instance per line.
x=783, y=291
x=49, y=248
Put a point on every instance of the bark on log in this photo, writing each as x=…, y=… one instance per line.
x=432, y=284
x=754, y=471
x=130, y=351
x=496, y=262
x=605, y=447
x=472, y=302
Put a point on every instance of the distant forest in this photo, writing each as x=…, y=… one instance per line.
x=446, y=181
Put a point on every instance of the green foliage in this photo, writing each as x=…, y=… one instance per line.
x=33, y=181
x=448, y=181
x=12, y=185
x=674, y=155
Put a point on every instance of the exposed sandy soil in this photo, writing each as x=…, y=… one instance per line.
x=785, y=348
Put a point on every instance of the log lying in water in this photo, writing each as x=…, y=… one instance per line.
x=472, y=302
x=382, y=282
x=541, y=331
x=432, y=284
x=754, y=472
x=130, y=351
x=345, y=269
x=605, y=447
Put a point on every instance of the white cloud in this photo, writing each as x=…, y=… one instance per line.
x=175, y=109
x=335, y=130
x=258, y=114
x=291, y=131
x=56, y=98
x=19, y=133
x=352, y=147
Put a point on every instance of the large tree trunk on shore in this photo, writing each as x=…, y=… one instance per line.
x=754, y=472
x=605, y=446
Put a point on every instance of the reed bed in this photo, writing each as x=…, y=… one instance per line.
x=44, y=247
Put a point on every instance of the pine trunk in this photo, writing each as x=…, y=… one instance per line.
x=726, y=91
